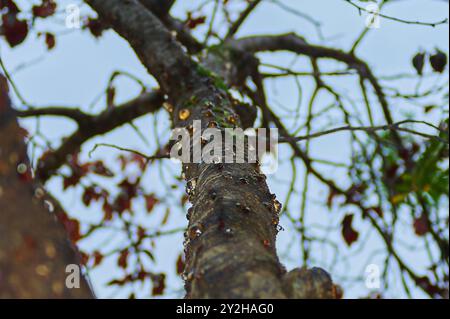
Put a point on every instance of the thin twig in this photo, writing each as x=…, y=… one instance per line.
x=370, y=129
x=235, y=27
x=147, y=157
x=211, y=23
x=429, y=24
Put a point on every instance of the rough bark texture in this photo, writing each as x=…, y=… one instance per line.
x=161, y=8
x=34, y=247
x=230, y=241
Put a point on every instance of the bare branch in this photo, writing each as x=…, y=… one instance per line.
x=182, y=33
x=244, y=15
x=98, y=125
x=429, y=24
x=372, y=129
x=149, y=158
x=73, y=114
x=294, y=43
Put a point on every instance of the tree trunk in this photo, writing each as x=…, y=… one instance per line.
x=34, y=247
x=230, y=242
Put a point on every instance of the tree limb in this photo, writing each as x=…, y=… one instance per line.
x=244, y=15
x=294, y=43
x=73, y=114
x=428, y=24
x=158, y=7
x=96, y=125
x=371, y=129
x=182, y=33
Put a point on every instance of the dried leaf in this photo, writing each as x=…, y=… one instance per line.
x=421, y=226
x=419, y=62
x=14, y=30
x=45, y=9
x=350, y=235
x=438, y=61
x=122, y=262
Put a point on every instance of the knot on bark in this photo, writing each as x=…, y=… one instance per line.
x=303, y=283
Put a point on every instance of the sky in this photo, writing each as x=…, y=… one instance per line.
x=76, y=72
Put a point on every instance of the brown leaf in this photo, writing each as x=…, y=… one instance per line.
x=140, y=160
x=99, y=168
x=122, y=262
x=107, y=210
x=438, y=61
x=192, y=22
x=92, y=194
x=45, y=9
x=96, y=27
x=421, y=226
x=71, y=180
x=350, y=235
x=98, y=257
x=14, y=30
x=159, y=284
x=180, y=264
x=72, y=227
x=419, y=62
x=150, y=202
x=50, y=40
x=10, y=5
x=378, y=210
x=84, y=258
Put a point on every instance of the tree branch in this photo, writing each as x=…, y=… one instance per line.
x=149, y=158
x=294, y=43
x=371, y=129
x=97, y=125
x=244, y=15
x=155, y=46
x=158, y=7
x=428, y=24
x=183, y=34
x=73, y=114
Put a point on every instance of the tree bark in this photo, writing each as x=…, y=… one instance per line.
x=230, y=242
x=34, y=247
